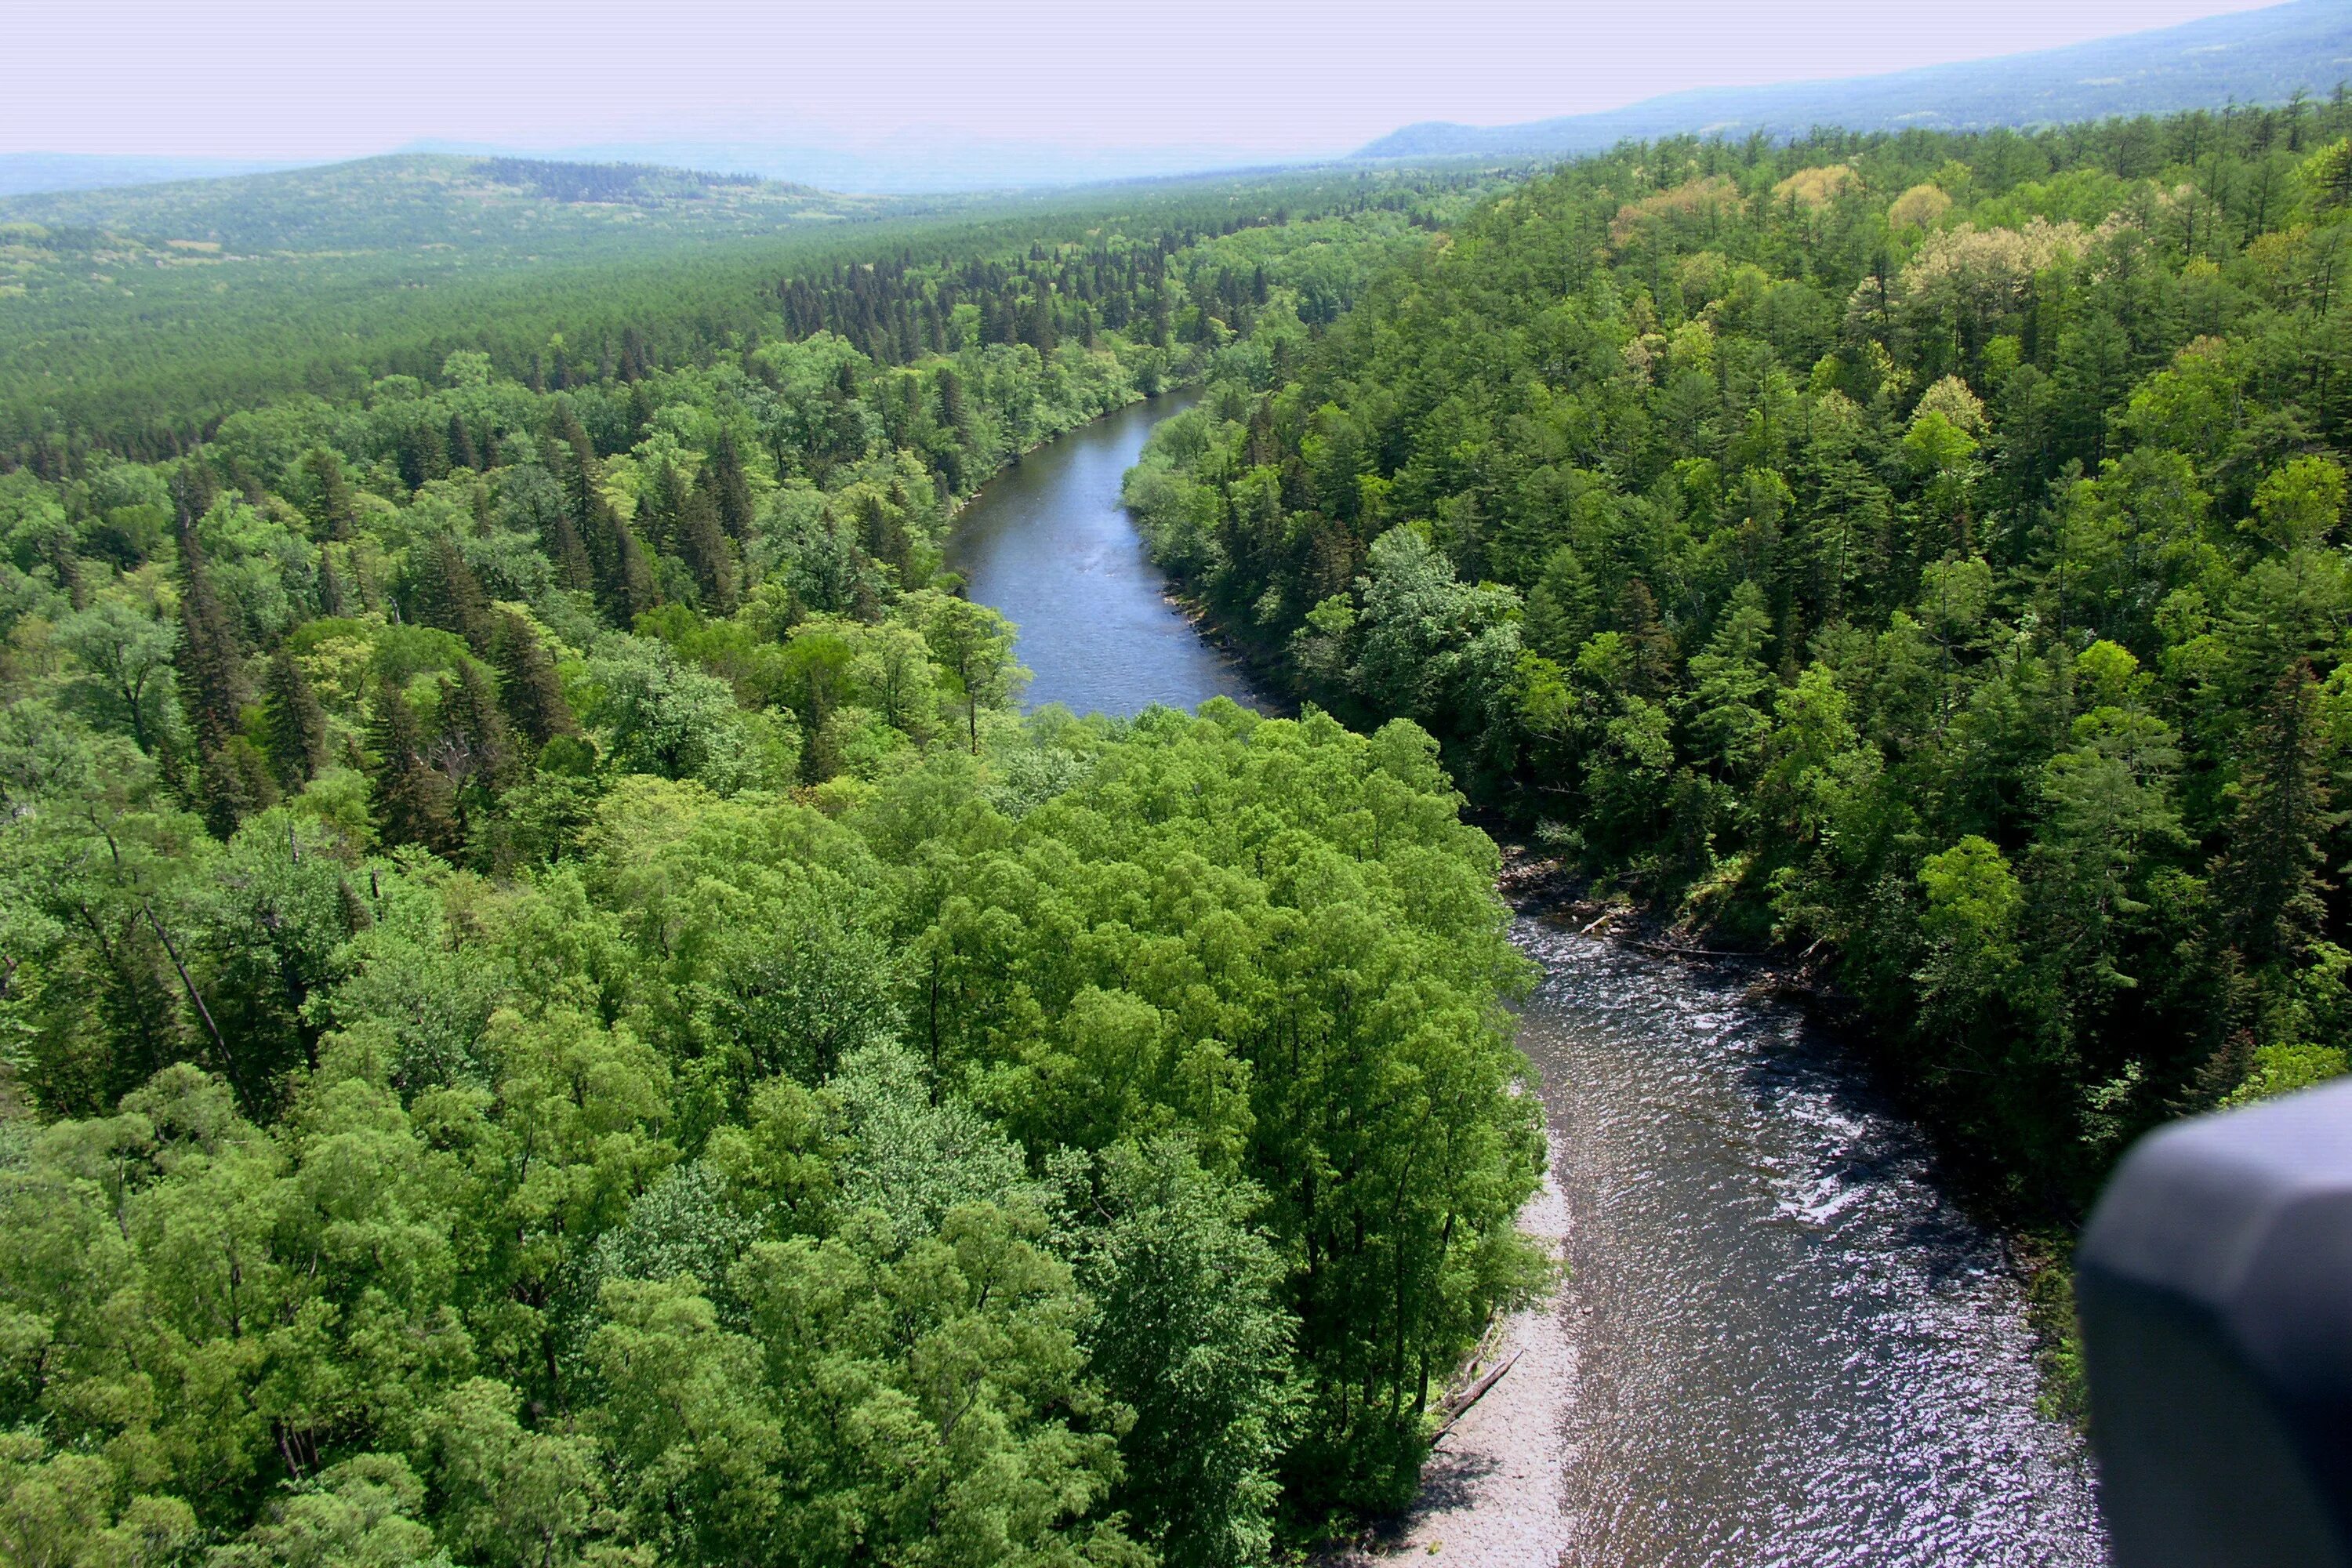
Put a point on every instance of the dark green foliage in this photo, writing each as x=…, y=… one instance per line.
x=1889, y=545
x=414, y=801
x=528, y=686
x=297, y=725
x=2270, y=884
x=211, y=659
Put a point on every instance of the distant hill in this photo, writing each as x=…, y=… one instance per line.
x=917, y=161
x=2253, y=56
x=21, y=172
x=423, y=203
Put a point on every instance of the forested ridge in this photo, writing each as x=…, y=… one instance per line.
x=133, y=322
x=554, y=1009
x=1923, y=552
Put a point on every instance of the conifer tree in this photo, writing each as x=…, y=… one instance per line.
x=330, y=586
x=658, y=508
x=733, y=489
x=626, y=586
x=297, y=725
x=450, y=596
x=331, y=508
x=2270, y=881
x=528, y=686
x=462, y=453
x=211, y=659
x=704, y=546
x=414, y=801
x=233, y=783
x=473, y=750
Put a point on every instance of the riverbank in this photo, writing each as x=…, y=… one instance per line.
x=1491, y=1493
x=1781, y=1337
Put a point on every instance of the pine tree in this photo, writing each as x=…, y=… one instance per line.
x=297, y=725
x=2270, y=882
x=528, y=686
x=233, y=783
x=414, y=801
x=332, y=508
x=211, y=660
x=733, y=487
x=704, y=546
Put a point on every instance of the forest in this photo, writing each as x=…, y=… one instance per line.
x=1920, y=554
x=555, y=1009
x=555, y=1006
x=134, y=321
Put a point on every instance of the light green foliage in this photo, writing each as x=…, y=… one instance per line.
x=1093, y=1185
x=560, y=1014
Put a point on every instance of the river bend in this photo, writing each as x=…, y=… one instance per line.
x=1788, y=1345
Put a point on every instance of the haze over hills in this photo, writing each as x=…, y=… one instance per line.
x=2253, y=56
x=2250, y=56
x=24, y=172
x=915, y=161
x=428, y=202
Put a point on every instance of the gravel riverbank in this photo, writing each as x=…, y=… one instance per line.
x=1492, y=1493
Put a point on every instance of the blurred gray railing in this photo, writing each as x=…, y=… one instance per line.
x=2215, y=1286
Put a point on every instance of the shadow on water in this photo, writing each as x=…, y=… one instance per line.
x=1048, y=543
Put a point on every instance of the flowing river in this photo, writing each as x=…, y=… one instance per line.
x=1781, y=1342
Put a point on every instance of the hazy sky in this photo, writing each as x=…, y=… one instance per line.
x=334, y=77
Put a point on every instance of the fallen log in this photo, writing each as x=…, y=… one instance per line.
x=1457, y=1406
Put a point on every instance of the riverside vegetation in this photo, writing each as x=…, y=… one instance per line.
x=555, y=1011
x=1923, y=552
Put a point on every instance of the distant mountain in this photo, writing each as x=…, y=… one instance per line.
x=429, y=206
x=21, y=172
x=2253, y=56
x=913, y=162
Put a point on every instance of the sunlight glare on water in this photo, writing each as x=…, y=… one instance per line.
x=1794, y=1348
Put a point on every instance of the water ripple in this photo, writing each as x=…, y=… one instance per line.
x=1794, y=1348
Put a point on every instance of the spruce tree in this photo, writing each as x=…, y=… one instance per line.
x=704, y=546
x=450, y=596
x=473, y=752
x=528, y=686
x=658, y=508
x=2270, y=881
x=733, y=487
x=330, y=586
x=462, y=451
x=297, y=725
x=331, y=508
x=414, y=801
x=233, y=783
x=211, y=660
x=626, y=586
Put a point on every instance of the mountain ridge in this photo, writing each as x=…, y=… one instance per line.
x=2249, y=56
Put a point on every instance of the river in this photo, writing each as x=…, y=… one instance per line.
x=1048, y=543
x=1781, y=1342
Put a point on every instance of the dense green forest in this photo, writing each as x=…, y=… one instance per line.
x=133, y=322
x=1924, y=552
x=553, y=1008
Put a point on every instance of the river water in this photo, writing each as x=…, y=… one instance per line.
x=1048, y=543
x=1788, y=1347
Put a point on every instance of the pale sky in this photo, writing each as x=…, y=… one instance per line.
x=330, y=79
